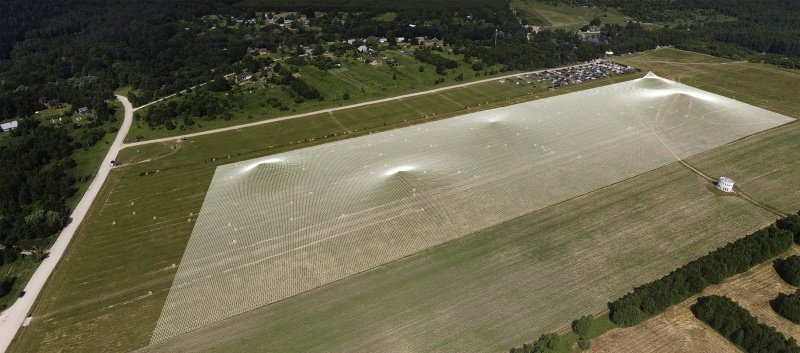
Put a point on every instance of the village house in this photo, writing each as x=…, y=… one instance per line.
x=50, y=102
x=244, y=76
x=83, y=110
x=11, y=125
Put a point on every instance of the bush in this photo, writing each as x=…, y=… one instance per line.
x=742, y=329
x=581, y=326
x=788, y=306
x=789, y=269
x=6, y=285
x=584, y=344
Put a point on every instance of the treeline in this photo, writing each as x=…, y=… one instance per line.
x=761, y=26
x=367, y=5
x=788, y=306
x=545, y=49
x=36, y=185
x=736, y=257
x=427, y=56
x=742, y=329
x=198, y=104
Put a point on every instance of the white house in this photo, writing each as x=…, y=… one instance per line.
x=11, y=125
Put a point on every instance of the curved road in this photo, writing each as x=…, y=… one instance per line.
x=13, y=317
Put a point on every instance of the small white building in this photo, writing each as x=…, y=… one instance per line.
x=725, y=184
x=11, y=125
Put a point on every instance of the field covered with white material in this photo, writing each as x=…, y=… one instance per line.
x=277, y=226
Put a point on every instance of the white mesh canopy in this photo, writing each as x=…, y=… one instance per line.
x=273, y=227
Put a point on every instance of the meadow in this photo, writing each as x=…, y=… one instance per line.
x=109, y=289
x=362, y=82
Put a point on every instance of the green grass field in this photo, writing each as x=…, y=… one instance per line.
x=107, y=292
x=363, y=82
x=564, y=16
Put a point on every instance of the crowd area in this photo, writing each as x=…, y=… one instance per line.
x=555, y=78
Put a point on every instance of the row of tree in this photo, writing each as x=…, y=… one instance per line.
x=734, y=258
x=426, y=55
x=742, y=329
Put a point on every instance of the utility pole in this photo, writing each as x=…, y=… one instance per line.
x=495, y=37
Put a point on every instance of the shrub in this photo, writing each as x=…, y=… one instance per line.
x=789, y=269
x=581, y=326
x=788, y=306
x=584, y=344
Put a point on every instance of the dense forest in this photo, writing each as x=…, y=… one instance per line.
x=35, y=182
x=742, y=329
x=736, y=257
x=767, y=30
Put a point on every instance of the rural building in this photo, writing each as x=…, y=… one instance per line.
x=725, y=184
x=363, y=48
x=83, y=110
x=11, y=125
x=244, y=76
x=50, y=102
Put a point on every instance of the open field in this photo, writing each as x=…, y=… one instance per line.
x=363, y=82
x=565, y=16
x=277, y=226
x=677, y=330
x=504, y=285
x=674, y=331
x=765, y=86
x=760, y=165
x=99, y=297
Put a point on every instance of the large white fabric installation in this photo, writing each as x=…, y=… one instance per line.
x=276, y=226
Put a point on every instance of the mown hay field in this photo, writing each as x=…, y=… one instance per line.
x=677, y=330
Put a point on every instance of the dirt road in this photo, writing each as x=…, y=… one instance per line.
x=12, y=318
